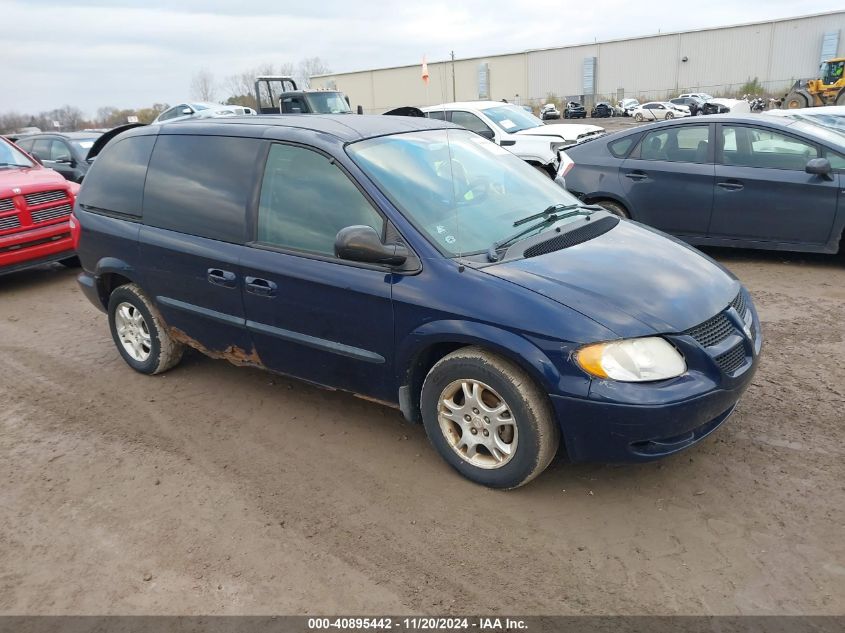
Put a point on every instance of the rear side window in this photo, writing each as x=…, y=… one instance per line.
x=201, y=185
x=306, y=200
x=620, y=147
x=436, y=114
x=679, y=144
x=115, y=182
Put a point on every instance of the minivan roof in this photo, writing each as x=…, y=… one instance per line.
x=346, y=128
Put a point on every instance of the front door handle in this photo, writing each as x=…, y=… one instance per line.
x=730, y=185
x=224, y=278
x=260, y=287
x=636, y=175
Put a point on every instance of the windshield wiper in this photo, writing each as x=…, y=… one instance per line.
x=546, y=212
x=549, y=217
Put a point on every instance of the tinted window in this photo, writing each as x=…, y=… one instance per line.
x=41, y=149
x=26, y=145
x=622, y=146
x=168, y=114
x=436, y=114
x=116, y=180
x=201, y=185
x=306, y=200
x=680, y=144
x=59, y=151
x=469, y=121
x=760, y=147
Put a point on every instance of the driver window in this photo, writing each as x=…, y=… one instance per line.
x=292, y=105
x=59, y=151
x=470, y=122
x=760, y=147
x=306, y=200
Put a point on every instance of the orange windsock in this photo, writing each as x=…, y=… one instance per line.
x=424, y=71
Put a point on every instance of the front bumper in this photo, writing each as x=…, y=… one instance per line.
x=625, y=432
x=35, y=246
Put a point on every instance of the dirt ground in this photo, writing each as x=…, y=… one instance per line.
x=221, y=490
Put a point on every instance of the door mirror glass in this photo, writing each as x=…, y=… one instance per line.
x=819, y=167
x=488, y=134
x=362, y=244
x=187, y=111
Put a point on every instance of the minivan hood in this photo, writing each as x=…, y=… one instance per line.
x=567, y=131
x=632, y=279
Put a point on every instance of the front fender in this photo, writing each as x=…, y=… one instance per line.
x=508, y=344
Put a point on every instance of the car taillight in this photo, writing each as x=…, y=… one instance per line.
x=75, y=230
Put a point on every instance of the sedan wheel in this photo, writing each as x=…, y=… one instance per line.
x=669, y=115
x=638, y=117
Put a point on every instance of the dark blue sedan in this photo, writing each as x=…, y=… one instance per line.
x=750, y=181
x=414, y=263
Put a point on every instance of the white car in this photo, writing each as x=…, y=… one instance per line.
x=518, y=131
x=700, y=95
x=659, y=111
x=626, y=106
x=832, y=117
x=201, y=110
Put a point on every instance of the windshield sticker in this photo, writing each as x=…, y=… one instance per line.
x=440, y=229
x=450, y=239
x=507, y=124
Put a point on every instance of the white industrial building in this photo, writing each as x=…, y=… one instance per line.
x=719, y=61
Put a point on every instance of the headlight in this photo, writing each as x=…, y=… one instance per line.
x=632, y=360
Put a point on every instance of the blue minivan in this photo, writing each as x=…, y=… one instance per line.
x=414, y=263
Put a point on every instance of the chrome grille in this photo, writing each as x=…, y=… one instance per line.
x=732, y=360
x=7, y=204
x=43, y=197
x=52, y=213
x=9, y=222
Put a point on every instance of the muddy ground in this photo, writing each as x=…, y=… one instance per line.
x=216, y=489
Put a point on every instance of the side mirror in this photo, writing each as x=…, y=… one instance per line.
x=187, y=111
x=819, y=167
x=486, y=133
x=363, y=244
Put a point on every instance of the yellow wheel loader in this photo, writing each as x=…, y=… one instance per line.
x=827, y=89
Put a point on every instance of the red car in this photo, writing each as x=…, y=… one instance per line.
x=35, y=208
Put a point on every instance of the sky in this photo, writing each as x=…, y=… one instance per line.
x=93, y=53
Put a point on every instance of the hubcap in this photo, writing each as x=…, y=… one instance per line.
x=132, y=331
x=477, y=423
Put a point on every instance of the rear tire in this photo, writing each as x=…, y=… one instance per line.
x=794, y=100
x=139, y=333
x=615, y=208
x=488, y=389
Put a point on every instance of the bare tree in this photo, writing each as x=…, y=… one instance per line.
x=202, y=86
x=309, y=67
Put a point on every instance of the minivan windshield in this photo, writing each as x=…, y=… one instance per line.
x=512, y=119
x=464, y=192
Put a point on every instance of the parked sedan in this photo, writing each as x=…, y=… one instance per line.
x=66, y=152
x=658, y=111
x=693, y=104
x=574, y=110
x=728, y=180
x=549, y=111
x=627, y=106
x=602, y=110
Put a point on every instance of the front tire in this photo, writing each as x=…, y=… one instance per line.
x=669, y=115
x=139, y=333
x=794, y=100
x=488, y=419
x=638, y=117
x=615, y=208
